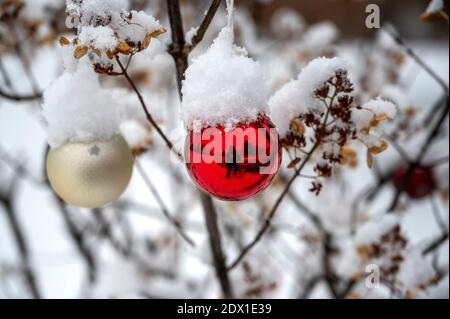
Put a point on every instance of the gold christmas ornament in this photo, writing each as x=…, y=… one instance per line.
x=90, y=174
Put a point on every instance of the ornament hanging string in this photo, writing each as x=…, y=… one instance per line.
x=230, y=10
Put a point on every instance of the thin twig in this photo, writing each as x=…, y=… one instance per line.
x=127, y=252
x=272, y=212
x=435, y=244
x=144, y=107
x=215, y=242
x=22, y=246
x=5, y=75
x=20, y=98
x=78, y=239
x=416, y=58
x=198, y=37
x=400, y=150
x=177, y=47
x=326, y=240
x=279, y=200
x=437, y=215
x=418, y=160
x=162, y=205
x=180, y=56
x=310, y=285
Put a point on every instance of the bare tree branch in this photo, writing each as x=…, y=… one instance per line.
x=215, y=242
x=22, y=246
x=177, y=47
x=180, y=56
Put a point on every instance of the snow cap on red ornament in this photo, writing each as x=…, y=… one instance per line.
x=224, y=86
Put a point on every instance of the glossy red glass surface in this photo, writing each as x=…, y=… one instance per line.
x=236, y=167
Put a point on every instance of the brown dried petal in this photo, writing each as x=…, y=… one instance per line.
x=434, y=16
x=369, y=159
x=378, y=118
x=147, y=40
x=123, y=48
x=294, y=162
x=379, y=149
x=110, y=54
x=297, y=127
x=80, y=51
x=157, y=33
x=63, y=41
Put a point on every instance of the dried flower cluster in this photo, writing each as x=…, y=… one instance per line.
x=386, y=252
x=335, y=124
x=109, y=30
x=9, y=9
x=400, y=265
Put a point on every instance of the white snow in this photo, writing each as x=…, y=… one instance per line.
x=320, y=36
x=416, y=271
x=139, y=26
x=134, y=133
x=435, y=6
x=362, y=117
x=287, y=22
x=191, y=34
x=297, y=96
x=396, y=94
x=102, y=38
x=223, y=86
x=372, y=231
x=77, y=108
x=381, y=107
x=105, y=24
x=91, y=9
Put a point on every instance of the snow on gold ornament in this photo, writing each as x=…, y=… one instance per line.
x=90, y=174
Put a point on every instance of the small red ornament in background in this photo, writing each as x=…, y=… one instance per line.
x=420, y=184
x=249, y=157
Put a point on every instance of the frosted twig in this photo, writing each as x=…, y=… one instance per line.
x=144, y=107
x=437, y=215
x=78, y=239
x=417, y=58
x=198, y=37
x=22, y=245
x=162, y=205
x=435, y=244
x=15, y=97
x=20, y=98
x=418, y=160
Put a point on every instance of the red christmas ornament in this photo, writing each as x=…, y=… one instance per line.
x=420, y=184
x=234, y=164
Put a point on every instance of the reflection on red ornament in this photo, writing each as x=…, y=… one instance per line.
x=236, y=163
x=420, y=184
